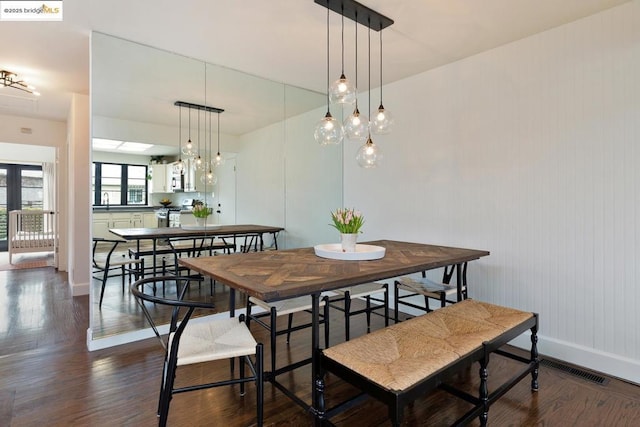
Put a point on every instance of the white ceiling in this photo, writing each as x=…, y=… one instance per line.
x=282, y=40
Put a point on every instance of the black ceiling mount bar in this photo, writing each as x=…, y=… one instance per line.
x=356, y=11
x=198, y=107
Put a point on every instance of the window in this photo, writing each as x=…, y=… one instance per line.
x=116, y=184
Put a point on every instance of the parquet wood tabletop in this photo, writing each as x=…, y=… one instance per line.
x=275, y=275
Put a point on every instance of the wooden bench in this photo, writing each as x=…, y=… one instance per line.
x=404, y=361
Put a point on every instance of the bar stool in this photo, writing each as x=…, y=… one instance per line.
x=365, y=291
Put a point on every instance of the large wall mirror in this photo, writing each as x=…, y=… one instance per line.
x=275, y=174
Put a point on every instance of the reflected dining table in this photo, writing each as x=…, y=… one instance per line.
x=231, y=231
x=277, y=275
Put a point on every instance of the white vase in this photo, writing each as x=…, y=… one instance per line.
x=201, y=222
x=348, y=242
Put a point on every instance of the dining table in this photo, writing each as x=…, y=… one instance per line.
x=185, y=232
x=277, y=275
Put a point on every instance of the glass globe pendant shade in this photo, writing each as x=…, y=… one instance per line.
x=189, y=151
x=209, y=178
x=342, y=91
x=218, y=160
x=369, y=155
x=200, y=164
x=328, y=131
x=382, y=121
x=356, y=126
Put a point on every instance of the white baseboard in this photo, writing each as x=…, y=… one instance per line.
x=79, y=289
x=606, y=363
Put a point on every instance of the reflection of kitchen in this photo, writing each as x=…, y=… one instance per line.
x=171, y=195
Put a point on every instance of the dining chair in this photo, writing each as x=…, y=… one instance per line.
x=366, y=291
x=192, y=247
x=444, y=292
x=200, y=340
x=106, y=264
x=287, y=307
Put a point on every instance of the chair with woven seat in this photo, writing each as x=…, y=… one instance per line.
x=199, y=340
x=286, y=307
x=366, y=291
x=106, y=264
x=444, y=292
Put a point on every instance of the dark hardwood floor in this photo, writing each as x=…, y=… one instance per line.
x=48, y=378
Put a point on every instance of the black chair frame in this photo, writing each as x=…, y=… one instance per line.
x=132, y=267
x=181, y=314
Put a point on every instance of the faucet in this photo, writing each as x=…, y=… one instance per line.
x=105, y=199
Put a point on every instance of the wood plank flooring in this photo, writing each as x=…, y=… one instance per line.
x=48, y=378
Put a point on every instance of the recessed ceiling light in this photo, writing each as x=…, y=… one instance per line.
x=105, y=144
x=134, y=146
x=112, y=144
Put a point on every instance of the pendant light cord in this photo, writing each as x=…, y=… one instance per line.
x=356, y=21
x=218, y=133
x=369, y=42
x=380, y=67
x=180, y=132
x=328, y=112
x=342, y=14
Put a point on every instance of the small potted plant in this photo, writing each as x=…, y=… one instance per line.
x=348, y=222
x=201, y=212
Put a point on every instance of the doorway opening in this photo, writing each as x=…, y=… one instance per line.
x=21, y=187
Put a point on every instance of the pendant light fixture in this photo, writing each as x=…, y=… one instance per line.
x=188, y=150
x=180, y=165
x=209, y=179
x=329, y=130
x=369, y=155
x=198, y=160
x=356, y=125
x=342, y=91
x=382, y=120
x=208, y=176
x=218, y=160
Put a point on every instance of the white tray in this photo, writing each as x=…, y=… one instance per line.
x=200, y=227
x=362, y=253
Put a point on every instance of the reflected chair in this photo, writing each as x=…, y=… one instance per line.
x=366, y=291
x=199, y=340
x=106, y=264
x=287, y=307
x=445, y=293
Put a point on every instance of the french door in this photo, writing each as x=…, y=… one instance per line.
x=21, y=187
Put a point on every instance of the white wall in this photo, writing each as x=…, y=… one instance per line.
x=284, y=178
x=79, y=188
x=529, y=151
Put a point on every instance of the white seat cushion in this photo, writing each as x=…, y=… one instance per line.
x=425, y=286
x=360, y=291
x=203, y=341
x=286, y=306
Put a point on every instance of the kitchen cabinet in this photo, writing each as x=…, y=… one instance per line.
x=103, y=221
x=136, y=220
x=161, y=178
x=149, y=220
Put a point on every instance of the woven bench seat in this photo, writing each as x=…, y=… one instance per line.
x=404, y=361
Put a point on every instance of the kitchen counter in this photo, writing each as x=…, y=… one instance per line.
x=131, y=208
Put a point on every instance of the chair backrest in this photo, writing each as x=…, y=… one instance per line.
x=101, y=245
x=182, y=309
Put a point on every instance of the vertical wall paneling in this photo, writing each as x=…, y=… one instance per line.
x=530, y=151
